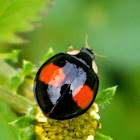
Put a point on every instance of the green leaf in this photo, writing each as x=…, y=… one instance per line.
x=6, y=71
x=12, y=55
x=27, y=67
x=27, y=133
x=105, y=96
x=48, y=55
x=17, y=16
x=23, y=122
x=19, y=103
x=100, y=136
x=15, y=81
x=7, y=132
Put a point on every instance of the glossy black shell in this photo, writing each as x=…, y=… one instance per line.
x=57, y=102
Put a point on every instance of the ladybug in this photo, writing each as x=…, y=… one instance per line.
x=66, y=85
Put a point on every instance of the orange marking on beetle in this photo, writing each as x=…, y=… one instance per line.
x=52, y=75
x=83, y=96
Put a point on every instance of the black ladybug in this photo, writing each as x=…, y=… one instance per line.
x=66, y=84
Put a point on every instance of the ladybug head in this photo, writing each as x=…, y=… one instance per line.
x=86, y=55
x=92, y=56
x=89, y=52
x=85, y=50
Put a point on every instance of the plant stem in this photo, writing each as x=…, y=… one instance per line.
x=19, y=103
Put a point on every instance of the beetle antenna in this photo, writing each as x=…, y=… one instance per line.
x=87, y=46
x=98, y=55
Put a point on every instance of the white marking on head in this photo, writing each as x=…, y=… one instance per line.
x=94, y=67
x=73, y=52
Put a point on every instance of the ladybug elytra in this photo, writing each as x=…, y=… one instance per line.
x=66, y=85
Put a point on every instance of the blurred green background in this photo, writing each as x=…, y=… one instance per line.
x=113, y=29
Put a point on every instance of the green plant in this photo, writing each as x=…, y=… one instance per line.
x=16, y=85
x=19, y=16
x=17, y=91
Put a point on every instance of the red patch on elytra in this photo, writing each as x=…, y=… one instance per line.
x=83, y=96
x=52, y=75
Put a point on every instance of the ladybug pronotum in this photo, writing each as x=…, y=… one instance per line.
x=66, y=85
